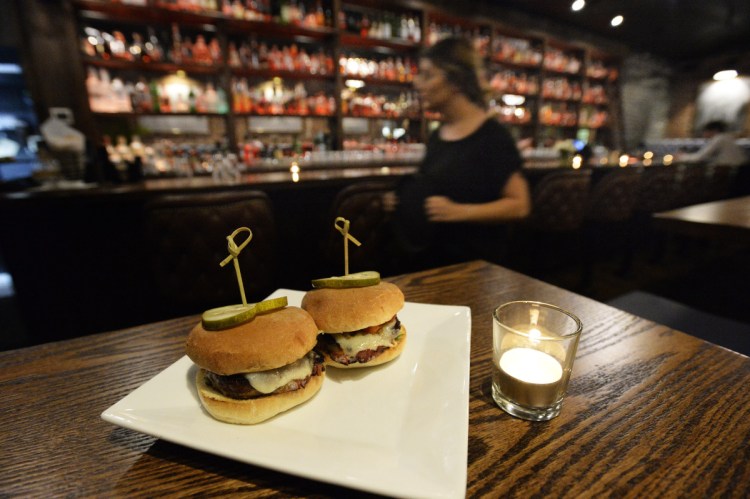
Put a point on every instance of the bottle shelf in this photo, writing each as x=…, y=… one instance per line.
x=272, y=73
x=155, y=67
x=370, y=33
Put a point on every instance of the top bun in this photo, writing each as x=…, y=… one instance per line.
x=343, y=310
x=268, y=341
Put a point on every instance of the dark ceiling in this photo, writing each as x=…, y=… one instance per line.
x=682, y=31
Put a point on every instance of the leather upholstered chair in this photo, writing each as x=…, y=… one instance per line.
x=187, y=240
x=613, y=198
x=609, y=220
x=362, y=205
x=692, y=184
x=657, y=190
x=720, y=178
x=551, y=236
x=559, y=201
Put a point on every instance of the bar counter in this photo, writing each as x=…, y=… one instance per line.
x=266, y=180
x=80, y=248
x=650, y=411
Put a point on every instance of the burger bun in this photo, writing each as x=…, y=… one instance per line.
x=343, y=310
x=252, y=411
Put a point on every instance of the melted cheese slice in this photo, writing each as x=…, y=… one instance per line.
x=351, y=344
x=268, y=381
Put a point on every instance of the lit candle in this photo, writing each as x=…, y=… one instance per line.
x=530, y=377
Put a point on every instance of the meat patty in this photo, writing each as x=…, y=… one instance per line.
x=237, y=386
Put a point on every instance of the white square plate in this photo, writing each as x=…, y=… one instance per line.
x=399, y=429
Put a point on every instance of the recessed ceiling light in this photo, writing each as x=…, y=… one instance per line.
x=726, y=74
x=578, y=5
x=10, y=69
x=616, y=21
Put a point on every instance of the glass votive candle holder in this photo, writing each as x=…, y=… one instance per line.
x=534, y=345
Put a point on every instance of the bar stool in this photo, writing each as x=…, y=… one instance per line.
x=608, y=225
x=692, y=184
x=657, y=191
x=362, y=205
x=187, y=239
x=551, y=235
x=720, y=182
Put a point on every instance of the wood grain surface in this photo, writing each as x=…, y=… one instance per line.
x=650, y=412
x=728, y=219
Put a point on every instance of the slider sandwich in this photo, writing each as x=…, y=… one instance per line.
x=251, y=370
x=357, y=314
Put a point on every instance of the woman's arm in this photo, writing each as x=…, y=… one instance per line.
x=514, y=203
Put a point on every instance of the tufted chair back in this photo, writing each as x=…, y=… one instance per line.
x=657, y=190
x=559, y=201
x=362, y=205
x=720, y=182
x=692, y=184
x=186, y=237
x=613, y=197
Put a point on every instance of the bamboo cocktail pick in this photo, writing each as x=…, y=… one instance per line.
x=344, y=229
x=234, y=251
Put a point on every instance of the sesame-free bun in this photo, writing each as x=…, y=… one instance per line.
x=342, y=310
x=268, y=341
x=252, y=411
x=385, y=356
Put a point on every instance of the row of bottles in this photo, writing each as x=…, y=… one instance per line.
x=256, y=10
x=598, y=70
x=303, y=13
x=184, y=5
x=518, y=82
x=479, y=37
x=558, y=114
x=514, y=82
x=178, y=49
x=381, y=25
x=562, y=62
x=131, y=160
x=274, y=98
x=289, y=57
x=561, y=88
x=594, y=94
x=369, y=105
x=516, y=51
x=511, y=114
x=171, y=94
x=390, y=68
x=591, y=117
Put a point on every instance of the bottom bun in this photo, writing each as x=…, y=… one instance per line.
x=385, y=356
x=252, y=411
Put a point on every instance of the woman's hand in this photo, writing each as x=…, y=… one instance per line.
x=442, y=209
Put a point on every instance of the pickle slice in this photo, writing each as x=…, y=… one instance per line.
x=358, y=280
x=271, y=305
x=228, y=316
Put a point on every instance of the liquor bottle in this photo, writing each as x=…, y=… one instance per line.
x=153, y=47
x=138, y=49
x=176, y=44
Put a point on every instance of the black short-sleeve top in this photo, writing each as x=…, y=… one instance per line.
x=470, y=170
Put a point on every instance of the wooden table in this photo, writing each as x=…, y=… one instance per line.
x=727, y=219
x=650, y=412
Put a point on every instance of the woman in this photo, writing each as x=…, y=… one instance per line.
x=470, y=180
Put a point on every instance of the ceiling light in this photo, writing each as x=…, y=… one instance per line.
x=726, y=74
x=10, y=69
x=616, y=21
x=578, y=5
